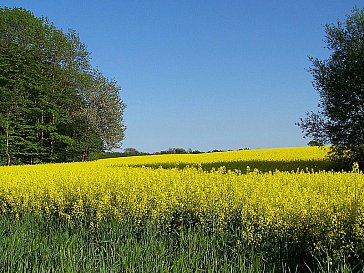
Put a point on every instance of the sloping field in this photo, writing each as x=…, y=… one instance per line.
x=272, y=201
x=273, y=154
x=284, y=159
x=319, y=213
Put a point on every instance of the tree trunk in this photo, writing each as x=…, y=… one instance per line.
x=85, y=154
x=51, y=151
x=7, y=145
x=41, y=130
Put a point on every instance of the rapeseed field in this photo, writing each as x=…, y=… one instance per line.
x=302, y=215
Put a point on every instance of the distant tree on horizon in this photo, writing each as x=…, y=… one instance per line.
x=313, y=143
x=132, y=152
x=179, y=151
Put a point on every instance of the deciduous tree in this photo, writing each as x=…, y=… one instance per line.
x=339, y=80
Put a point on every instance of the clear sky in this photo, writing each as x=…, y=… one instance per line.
x=204, y=74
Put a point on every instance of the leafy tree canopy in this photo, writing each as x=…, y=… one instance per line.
x=339, y=80
x=54, y=106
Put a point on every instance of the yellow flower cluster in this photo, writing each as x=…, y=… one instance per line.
x=262, y=204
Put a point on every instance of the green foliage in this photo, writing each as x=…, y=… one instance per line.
x=339, y=81
x=148, y=247
x=179, y=151
x=54, y=106
x=174, y=151
x=313, y=143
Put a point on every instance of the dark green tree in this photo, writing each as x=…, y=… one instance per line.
x=21, y=82
x=339, y=80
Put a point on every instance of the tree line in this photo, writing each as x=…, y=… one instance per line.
x=54, y=106
x=134, y=152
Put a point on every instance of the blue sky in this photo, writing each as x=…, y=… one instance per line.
x=204, y=74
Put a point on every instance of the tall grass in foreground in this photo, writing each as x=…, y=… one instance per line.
x=37, y=244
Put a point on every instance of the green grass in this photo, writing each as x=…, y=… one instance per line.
x=37, y=244
x=34, y=244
